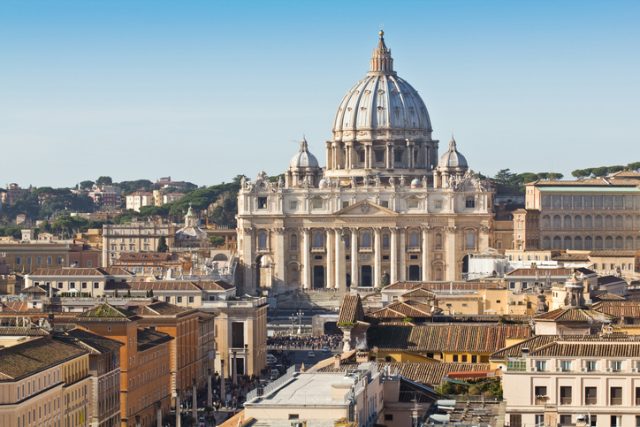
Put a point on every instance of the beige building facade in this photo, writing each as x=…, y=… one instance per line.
x=385, y=207
x=133, y=237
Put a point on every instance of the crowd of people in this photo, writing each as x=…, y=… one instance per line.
x=302, y=342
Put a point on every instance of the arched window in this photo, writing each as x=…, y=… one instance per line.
x=608, y=222
x=365, y=239
x=414, y=240
x=293, y=242
x=546, y=221
x=619, y=222
x=438, y=242
x=588, y=222
x=557, y=242
x=317, y=240
x=546, y=243
x=577, y=243
x=628, y=243
x=557, y=222
x=567, y=243
x=262, y=240
x=598, y=242
x=619, y=242
x=588, y=242
x=577, y=222
x=567, y=222
x=608, y=242
x=598, y=222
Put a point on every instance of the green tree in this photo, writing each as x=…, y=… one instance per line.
x=86, y=185
x=633, y=166
x=555, y=175
x=162, y=244
x=104, y=180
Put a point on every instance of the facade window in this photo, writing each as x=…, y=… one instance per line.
x=565, y=420
x=293, y=205
x=84, y=285
x=365, y=239
x=470, y=203
x=438, y=243
x=385, y=241
x=262, y=203
x=317, y=241
x=541, y=365
x=515, y=420
x=616, y=421
x=438, y=204
x=413, y=203
x=414, y=240
x=590, y=395
x=72, y=285
x=178, y=299
x=470, y=240
x=565, y=365
x=96, y=285
x=616, y=365
x=191, y=299
x=293, y=242
x=262, y=241
x=591, y=365
x=237, y=334
x=540, y=394
x=637, y=396
x=539, y=420
x=615, y=396
x=565, y=395
x=317, y=203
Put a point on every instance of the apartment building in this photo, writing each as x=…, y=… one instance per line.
x=24, y=257
x=571, y=379
x=139, y=199
x=89, y=282
x=43, y=382
x=133, y=237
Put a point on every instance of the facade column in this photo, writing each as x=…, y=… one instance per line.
x=387, y=156
x=329, y=272
x=354, y=258
x=402, y=268
x=377, y=258
x=334, y=156
x=347, y=155
x=370, y=155
x=451, y=254
x=279, y=259
x=393, y=156
x=248, y=259
x=339, y=279
x=393, y=259
x=425, y=254
x=329, y=156
x=410, y=154
x=306, y=249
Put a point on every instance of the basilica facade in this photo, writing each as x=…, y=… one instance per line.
x=385, y=208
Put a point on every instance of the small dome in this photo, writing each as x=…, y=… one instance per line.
x=415, y=183
x=303, y=158
x=452, y=158
x=323, y=183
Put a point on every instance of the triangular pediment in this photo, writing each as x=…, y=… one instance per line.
x=365, y=207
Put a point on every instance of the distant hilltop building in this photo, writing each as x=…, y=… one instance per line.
x=385, y=208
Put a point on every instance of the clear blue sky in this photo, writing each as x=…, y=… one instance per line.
x=206, y=90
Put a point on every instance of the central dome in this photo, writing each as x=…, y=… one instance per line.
x=382, y=106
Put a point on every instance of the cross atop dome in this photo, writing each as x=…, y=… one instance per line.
x=381, y=60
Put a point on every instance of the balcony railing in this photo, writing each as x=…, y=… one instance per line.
x=565, y=400
x=591, y=401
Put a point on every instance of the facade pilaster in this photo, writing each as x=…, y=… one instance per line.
x=330, y=271
x=377, y=260
x=306, y=258
x=425, y=254
x=402, y=268
x=279, y=258
x=354, y=257
x=393, y=259
x=339, y=279
x=451, y=253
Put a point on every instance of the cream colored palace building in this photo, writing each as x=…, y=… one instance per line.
x=385, y=208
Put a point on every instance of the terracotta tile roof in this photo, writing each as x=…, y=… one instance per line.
x=144, y=256
x=400, y=310
x=516, y=349
x=607, y=296
x=541, y=272
x=93, y=342
x=419, y=293
x=29, y=331
x=33, y=356
x=482, y=338
x=615, y=254
x=77, y=271
x=165, y=285
x=106, y=312
x=148, y=338
x=626, y=346
x=17, y=307
x=350, y=310
x=161, y=308
x=575, y=314
x=214, y=285
x=607, y=280
x=619, y=309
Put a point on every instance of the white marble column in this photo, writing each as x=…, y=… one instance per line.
x=377, y=258
x=330, y=272
x=393, y=259
x=347, y=156
x=425, y=254
x=306, y=259
x=402, y=268
x=329, y=156
x=451, y=254
x=393, y=156
x=354, y=258
x=280, y=264
x=339, y=279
